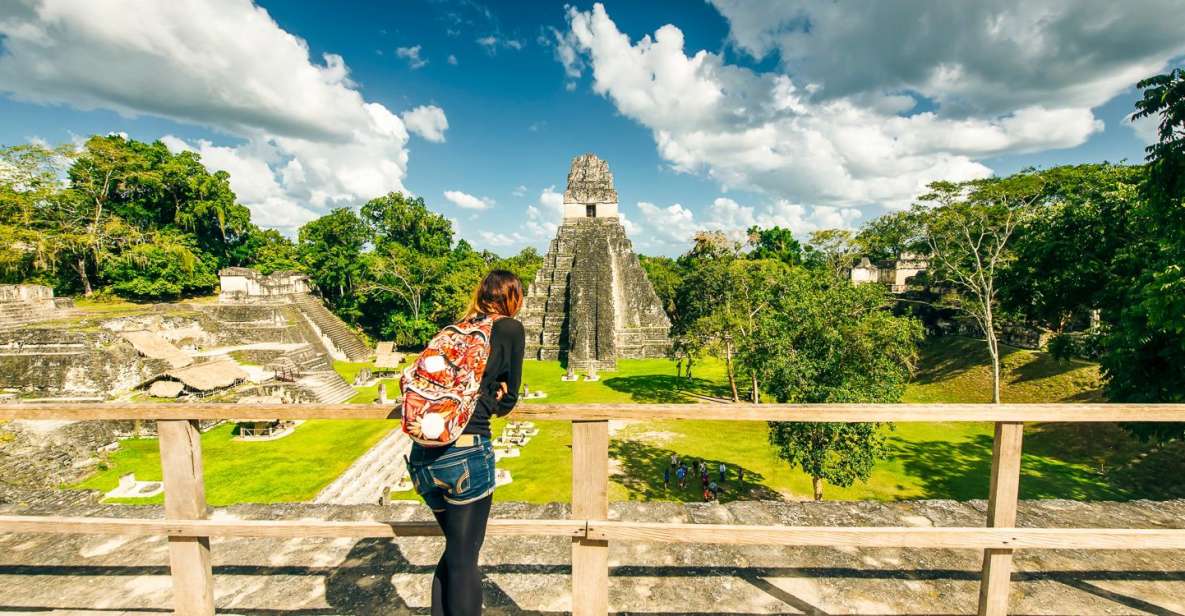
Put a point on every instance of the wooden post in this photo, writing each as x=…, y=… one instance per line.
x=997, y=563
x=185, y=499
x=590, y=501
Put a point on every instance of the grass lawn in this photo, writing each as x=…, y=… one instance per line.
x=290, y=469
x=926, y=460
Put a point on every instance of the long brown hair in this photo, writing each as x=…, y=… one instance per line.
x=500, y=292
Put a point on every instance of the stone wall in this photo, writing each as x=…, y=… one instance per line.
x=532, y=575
x=240, y=284
x=65, y=363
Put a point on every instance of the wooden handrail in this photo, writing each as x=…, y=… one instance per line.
x=948, y=537
x=1075, y=412
x=188, y=530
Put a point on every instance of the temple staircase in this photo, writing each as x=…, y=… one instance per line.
x=369, y=477
x=345, y=341
x=328, y=386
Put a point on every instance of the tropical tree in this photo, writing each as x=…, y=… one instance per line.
x=1144, y=357
x=330, y=248
x=833, y=249
x=824, y=340
x=967, y=228
x=774, y=243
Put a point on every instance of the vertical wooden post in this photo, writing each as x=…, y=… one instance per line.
x=997, y=563
x=590, y=501
x=185, y=499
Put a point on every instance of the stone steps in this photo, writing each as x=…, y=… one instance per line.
x=343, y=338
x=15, y=314
x=369, y=477
x=328, y=386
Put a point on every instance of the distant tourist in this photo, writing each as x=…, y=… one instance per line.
x=666, y=478
x=681, y=475
x=740, y=474
x=723, y=471
x=674, y=460
x=714, y=488
x=456, y=480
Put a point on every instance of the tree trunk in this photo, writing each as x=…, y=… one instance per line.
x=756, y=390
x=817, y=485
x=994, y=351
x=86, y=281
x=732, y=379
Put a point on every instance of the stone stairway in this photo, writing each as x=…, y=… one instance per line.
x=344, y=339
x=17, y=313
x=545, y=314
x=367, y=479
x=328, y=386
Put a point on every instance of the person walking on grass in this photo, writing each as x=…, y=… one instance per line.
x=452, y=458
x=681, y=475
x=723, y=471
x=666, y=478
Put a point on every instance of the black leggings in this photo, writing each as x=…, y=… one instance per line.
x=456, y=584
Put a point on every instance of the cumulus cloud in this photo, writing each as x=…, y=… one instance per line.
x=781, y=137
x=988, y=56
x=544, y=216
x=412, y=55
x=675, y=225
x=427, y=121
x=467, y=201
x=452, y=59
x=309, y=140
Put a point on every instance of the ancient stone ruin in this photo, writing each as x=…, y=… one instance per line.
x=591, y=302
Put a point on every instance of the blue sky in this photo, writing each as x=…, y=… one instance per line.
x=806, y=114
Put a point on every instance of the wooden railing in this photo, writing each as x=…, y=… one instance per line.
x=189, y=531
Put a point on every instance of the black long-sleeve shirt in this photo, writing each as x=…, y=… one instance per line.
x=508, y=343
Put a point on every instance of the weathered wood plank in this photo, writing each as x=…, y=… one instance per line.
x=185, y=499
x=272, y=528
x=590, y=501
x=1070, y=412
x=1002, y=500
x=895, y=537
x=653, y=532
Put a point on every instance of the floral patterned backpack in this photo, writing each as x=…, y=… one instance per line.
x=440, y=389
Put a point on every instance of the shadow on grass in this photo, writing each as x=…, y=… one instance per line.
x=641, y=466
x=665, y=388
x=946, y=357
x=962, y=471
x=1042, y=366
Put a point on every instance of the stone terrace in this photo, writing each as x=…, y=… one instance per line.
x=105, y=575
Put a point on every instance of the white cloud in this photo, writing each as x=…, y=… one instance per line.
x=1146, y=128
x=987, y=56
x=501, y=240
x=222, y=64
x=412, y=55
x=492, y=43
x=544, y=217
x=427, y=121
x=553, y=201
x=675, y=225
x=519, y=191
x=779, y=136
x=452, y=59
x=467, y=201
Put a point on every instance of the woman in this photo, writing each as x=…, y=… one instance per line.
x=461, y=502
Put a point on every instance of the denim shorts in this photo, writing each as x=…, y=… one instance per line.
x=453, y=475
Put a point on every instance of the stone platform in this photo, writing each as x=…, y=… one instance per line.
x=94, y=575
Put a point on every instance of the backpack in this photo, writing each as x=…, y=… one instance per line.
x=441, y=388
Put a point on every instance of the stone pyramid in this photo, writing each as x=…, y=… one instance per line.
x=591, y=302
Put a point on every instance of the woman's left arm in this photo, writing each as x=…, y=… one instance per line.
x=515, y=338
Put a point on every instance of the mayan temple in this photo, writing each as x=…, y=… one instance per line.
x=591, y=302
